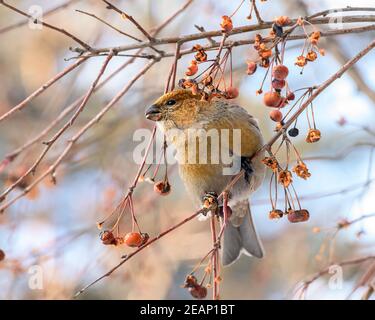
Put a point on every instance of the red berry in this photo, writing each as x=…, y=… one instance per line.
x=290, y=96
x=295, y=216
x=251, y=68
x=162, y=187
x=278, y=84
x=280, y=72
x=2, y=255
x=232, y=93
x=272, y=99
x=276, y=115
x=133, y=239
x=198, y=292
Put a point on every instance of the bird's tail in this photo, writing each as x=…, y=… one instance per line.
x=240, y=235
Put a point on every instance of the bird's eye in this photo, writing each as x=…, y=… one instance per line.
x=171, y=102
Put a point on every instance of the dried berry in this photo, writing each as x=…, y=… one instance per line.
x=313, y=135
x=226, y=24
x=294, y=132
x=283, y=21
x=192, y=68
x=265, y=54
x=314, y=37
x=201, y=55
x=272, y=99
x=271, y=162
x=276, y=115
x=133, y=239
x=301, y=170
x=162, y=187
x=301, y=61
x=275, y=214
x=280, y=72
x=251, y=68
x=311, y=56
x=285, y=178
x=296, y=216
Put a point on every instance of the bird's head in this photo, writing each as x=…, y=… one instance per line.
x=179, y=108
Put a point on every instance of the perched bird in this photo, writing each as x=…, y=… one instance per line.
x=182, y=112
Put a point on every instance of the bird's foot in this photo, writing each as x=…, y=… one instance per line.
x=210, y=202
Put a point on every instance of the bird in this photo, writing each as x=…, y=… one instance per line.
x=179, y=112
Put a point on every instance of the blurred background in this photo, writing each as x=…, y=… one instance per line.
x=54, y=227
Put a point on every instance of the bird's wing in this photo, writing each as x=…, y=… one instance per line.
x=235, y=117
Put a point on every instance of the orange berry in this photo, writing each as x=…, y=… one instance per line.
x=192, y=69
x=107, y=238
x=133, y=239
x=272, y=99
x=280, y=72
x=275, y=214
x=283, y=21
x=276, y=115
x=311, y=56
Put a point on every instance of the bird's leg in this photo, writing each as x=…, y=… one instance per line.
x=226, y=213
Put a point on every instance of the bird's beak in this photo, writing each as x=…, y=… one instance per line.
x=153, y=113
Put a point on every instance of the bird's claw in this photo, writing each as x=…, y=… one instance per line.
x=210, y=201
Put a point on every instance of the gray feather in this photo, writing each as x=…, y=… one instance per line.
x=242, y=238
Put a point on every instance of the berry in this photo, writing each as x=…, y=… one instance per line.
x=276, y=115
x=192, y=69
x=226, y=24
x=295, y=216
x=275, y=214
x=133, y=239
x=294, y=132
x=272, y=99
x=231, y=93
x=2, y=255
x=313, y=136
x=198, y=292
x=162, y=187
x=251, y=68
x=278, y=84
x=107, y=237
x=280, y=72
x=290, y=96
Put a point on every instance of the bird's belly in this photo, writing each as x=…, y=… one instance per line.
x=200, y=179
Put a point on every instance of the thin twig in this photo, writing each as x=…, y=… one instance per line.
x=130, y=18
x=45, y=14
x=109, y=25
x=127, y=257
x=47, y=25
